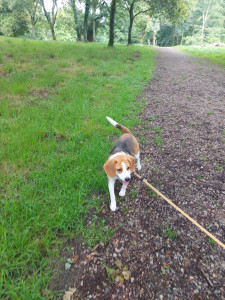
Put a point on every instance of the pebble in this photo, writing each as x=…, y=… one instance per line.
x=117, y=250
x=114, y=255
x=223, y=264
x=182, y=270
x=131, y=223
x=132, y=279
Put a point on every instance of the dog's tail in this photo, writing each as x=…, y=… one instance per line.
x=119, y=126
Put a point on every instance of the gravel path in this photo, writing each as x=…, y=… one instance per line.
x=182, y=137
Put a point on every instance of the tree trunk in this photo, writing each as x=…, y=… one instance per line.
x=204, y=20
x=111, y=26
x=73, y=4
x=86, y=13
x=94, y=21
x=53, y=33
x=131, y=13
x=51, y=18
x=142, y=37
x=182, y=36
x=153, y=39
x=94, y=39
x=33, y=31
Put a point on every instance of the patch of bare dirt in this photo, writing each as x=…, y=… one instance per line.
x=182, y=150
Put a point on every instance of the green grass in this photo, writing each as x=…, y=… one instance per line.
x=214, y=54
x=158, y=130
x=54, y=137
x=158, y=141
x=169, y=232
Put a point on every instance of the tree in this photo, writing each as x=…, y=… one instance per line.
x=51, y=16
x=205, y=15
x=73, y=5
x=94, y=7
x=64, y=25
x=86, y=13
x=13, y=19
x=173, y=10
x=32, y=8
x=111, y=25
x=99, y=12
x=142, y=7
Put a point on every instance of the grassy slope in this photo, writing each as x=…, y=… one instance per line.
x=215, y=54
x=54, y=140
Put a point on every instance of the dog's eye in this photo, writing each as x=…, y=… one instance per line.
x=128, y=168
x=119, y=170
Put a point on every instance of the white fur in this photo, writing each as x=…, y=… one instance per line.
x=114, y=123
x=125, y=173
x=123, y=190
x=111, y=185
x=137, y=156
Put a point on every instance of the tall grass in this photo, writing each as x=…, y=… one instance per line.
x=54, y=140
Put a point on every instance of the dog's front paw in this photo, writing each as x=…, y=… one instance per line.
x=139, y=167
x=122, y=193
x=113, y=207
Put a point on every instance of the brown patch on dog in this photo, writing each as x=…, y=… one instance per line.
x=136, y=145
x=123, y=128
x=114, y=164
x=109, y=167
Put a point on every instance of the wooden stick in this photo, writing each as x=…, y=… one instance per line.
x=181, y=211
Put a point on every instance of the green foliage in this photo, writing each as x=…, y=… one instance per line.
x=16, y=19
x=13, y=19
x=192, y=31
x=169, y=232
x=54, y=141
x=64, y=26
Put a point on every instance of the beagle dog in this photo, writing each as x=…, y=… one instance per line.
x=121, y=161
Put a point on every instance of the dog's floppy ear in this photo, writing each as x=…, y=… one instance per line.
x=131, y=160
x=109, y=167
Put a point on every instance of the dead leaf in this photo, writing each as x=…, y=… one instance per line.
x=96, y=246
x=91, y=256
x=126, y=275
x=116, y=242
x=74, y=258
x=68, y=294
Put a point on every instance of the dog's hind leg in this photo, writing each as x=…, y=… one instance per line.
x=137, y=156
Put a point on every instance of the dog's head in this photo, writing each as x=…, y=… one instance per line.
x=122, y=166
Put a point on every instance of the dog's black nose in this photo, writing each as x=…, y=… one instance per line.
x=127, y=179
